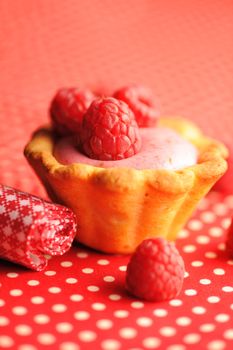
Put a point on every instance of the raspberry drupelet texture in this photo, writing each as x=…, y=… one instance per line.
x=141, y=101
x=155, y=271
x=67, y=109
x=109, y=130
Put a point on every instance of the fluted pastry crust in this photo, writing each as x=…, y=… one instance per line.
x=119, y=207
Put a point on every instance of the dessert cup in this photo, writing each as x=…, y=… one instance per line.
x=117, y=208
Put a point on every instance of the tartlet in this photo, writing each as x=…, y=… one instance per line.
x=117, y=208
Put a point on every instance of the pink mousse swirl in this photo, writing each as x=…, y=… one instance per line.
x=162, y=148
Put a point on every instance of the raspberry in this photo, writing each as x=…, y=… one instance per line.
x=229, y=240
x=141, y=101
x=67, y=109
x=155, y=271
x=109, y=130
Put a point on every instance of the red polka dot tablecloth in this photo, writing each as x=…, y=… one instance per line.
x=183, y=50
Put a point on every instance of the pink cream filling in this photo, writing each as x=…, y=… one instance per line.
x=162, y=148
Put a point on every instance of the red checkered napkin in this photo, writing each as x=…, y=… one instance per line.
x=31, y=227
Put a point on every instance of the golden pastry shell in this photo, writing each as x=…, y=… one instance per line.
x=117, y=208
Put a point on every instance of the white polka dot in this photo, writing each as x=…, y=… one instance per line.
x=228, y=334
x=183, y=321
x=68, y=346
x=54, y=290
x=114, y=297
x=195, y=225
x=12, y=274
x=160, y=312
x=6, y=342
x=128, y=332
x=23, y=330
x=226, y=223
x=59, y=308
x=190, y=248
x=66, y=263
x=222, y=318
x=219, y=272
x=33, y=283
x=4, y=321
x=205, y=281
x=190, y=292
x=176, y=347
x=175, y=302
x=64, y=327
x=50, y=273
x=210, y=255
x=151, y=343
x=109, y=278
x=230, y=262
x=16, y=292
x=216, y=345
x=71, y=280
x=76, y=297
x=19, y=310
x=192, y=338
x=98, y=306
x=103, y=262
x=81, y=315
x=46, y=338
x=123, y=268
x=87, y=336
x=201, y=239
x=93, y=288
x=227, y=289
x=37, y=300
x=41, y=318
x=186, y=274
x=183, y=234
x=2, y=302
x=144, y=321
x=207, y=327
x=27, y=347
x=216, y=231
x=110, y=344
x=167, y=331
x=137, y=304
x=220, y=209
x=207, y=217
x=203, y=204
x=198, y=310
x=121, y=313
x=104, y=324
x=213, y=299
x=197, y=263
x=87, y=270
x=82, y=255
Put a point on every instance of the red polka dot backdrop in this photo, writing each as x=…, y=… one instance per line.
x=183, y=51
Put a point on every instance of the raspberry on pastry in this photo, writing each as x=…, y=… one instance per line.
x=155, y=271
x=67, y=109
x=118, y=202
x=141, y=100
x=109, y=130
